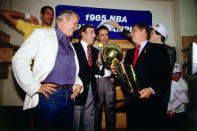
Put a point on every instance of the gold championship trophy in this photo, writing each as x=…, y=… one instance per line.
x=112, y=54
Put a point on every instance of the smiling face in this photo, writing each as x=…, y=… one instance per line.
x=103, y=36
x=88, y=36
x=47, y=17
x=68, y=24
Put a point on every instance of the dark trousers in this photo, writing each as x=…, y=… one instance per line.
x=141, y=115
x=55, y=112
x=179, y=121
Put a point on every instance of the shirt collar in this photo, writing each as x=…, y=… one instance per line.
x=60, y=34
x=84, y=44
x=142, y=45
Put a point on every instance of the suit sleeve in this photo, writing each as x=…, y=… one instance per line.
x=126, y=34
x=163, y=74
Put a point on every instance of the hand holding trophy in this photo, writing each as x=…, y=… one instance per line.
x=111, y=56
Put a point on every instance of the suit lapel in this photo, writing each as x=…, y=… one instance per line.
x=143, y=53
x=82, y=56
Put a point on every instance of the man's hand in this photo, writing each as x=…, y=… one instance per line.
x=99, y=59
x=111, y=80
x=33, y=20
x=113, y=69
x=47, y=88
x=76, y=91
x=145, y=93
x=171, y=114
x=116, y=25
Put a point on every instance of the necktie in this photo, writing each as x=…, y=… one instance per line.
x=89, y=56
x=136, y=53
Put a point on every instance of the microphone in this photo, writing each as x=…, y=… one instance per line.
x=100, y=46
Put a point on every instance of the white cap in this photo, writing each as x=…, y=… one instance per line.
x=177, y=68
x=108, y=24
x=161, y=29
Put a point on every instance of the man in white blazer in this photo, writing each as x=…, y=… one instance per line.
x=53, y=82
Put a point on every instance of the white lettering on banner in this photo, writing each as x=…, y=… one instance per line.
x=115, y=30
x=92, y=17
x=98, y=17
x=118, y=18
x=129, y=28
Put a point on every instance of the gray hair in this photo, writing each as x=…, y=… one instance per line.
x=66, y=13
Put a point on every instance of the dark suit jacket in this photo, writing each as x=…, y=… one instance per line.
x=152, y=70
x=86, y=73
x=172, y=54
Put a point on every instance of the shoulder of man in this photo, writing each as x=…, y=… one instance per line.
x=76, y=44
x=93, y=48
x=41, y=33
x=22, y=25
x=45, y=30
x=129, y=52
x=157, y=46
x=169, y=47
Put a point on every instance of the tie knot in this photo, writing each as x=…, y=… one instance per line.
x=88, y=46
x=138, y=46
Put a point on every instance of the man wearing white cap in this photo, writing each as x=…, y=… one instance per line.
x=178, y=96
x=158, y=35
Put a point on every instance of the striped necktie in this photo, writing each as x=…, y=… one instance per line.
x=89, y=56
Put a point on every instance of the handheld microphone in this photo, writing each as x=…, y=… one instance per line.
x=100, y=46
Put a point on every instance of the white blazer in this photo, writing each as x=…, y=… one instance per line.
x=42, y=47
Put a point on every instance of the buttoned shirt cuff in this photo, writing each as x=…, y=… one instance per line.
x=27, y=16
x=153, y=92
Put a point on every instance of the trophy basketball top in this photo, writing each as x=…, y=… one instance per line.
x=111, y=53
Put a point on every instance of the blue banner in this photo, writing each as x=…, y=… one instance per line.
x=95, y=16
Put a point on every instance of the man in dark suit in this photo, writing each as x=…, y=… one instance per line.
x=84, y=109
x=152, y=68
